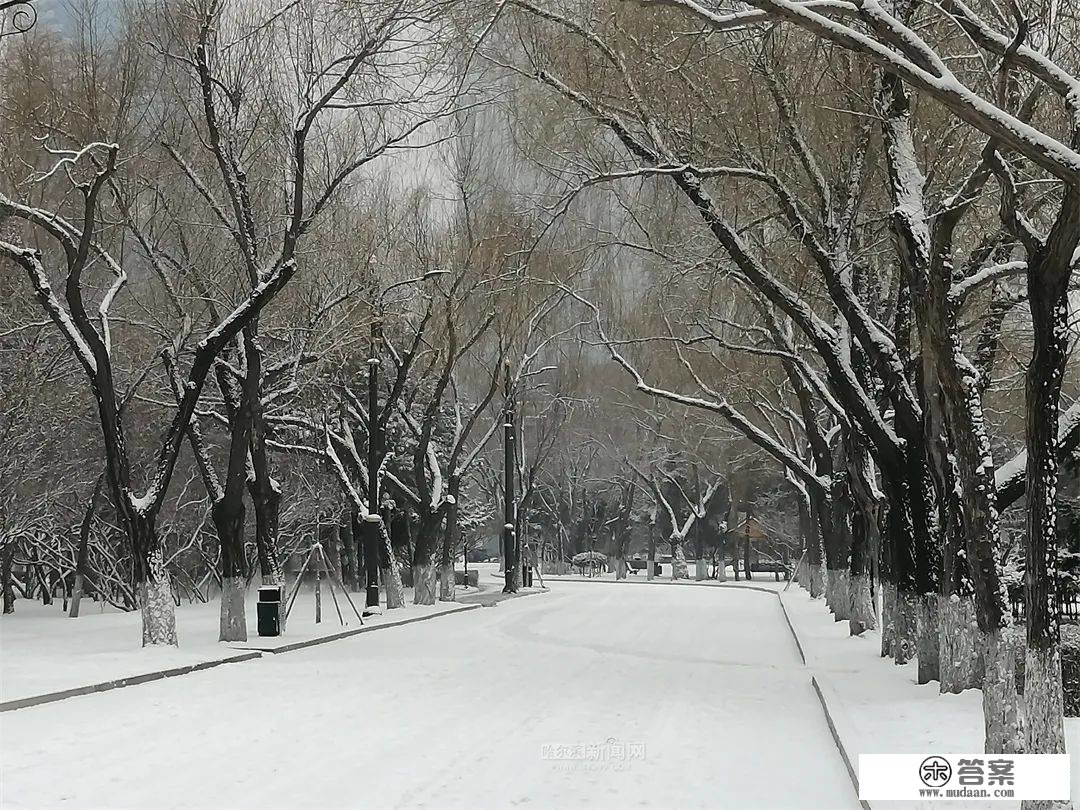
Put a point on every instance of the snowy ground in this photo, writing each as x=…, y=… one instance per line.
x=42, y=650
x=700, y=690
x=880, y=707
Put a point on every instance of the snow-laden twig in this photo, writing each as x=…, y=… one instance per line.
x=69, y=157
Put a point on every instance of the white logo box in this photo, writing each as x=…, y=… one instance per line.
x=963, y=777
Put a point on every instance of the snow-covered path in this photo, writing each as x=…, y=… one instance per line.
x=702, y=687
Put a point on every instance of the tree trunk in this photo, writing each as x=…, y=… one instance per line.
x=746, y=553
x=864, y=533
x=7, y=558
x=370, y=537
x=450, y=544
x=905, y=626
x=424, y=580
x=888, y=619
x=82, y=559
x=391, y=575
x=1048, y=299
x=838, y=546
x=447, y=583
x=816, y=584
x=863, y=616
x=42, y=580
x=700, y=564
x=620, y=568
x=912, y=563
x=839, y=593
x=266, y=498
x=351, y=566
x=929, y=638
x=229, y=522
x=701, y=569
x=1001, y=715
x=233, y=623
x=959, y=649
x=678, y=560
x=155, y=595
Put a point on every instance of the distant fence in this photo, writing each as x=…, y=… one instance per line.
x=1068, y=604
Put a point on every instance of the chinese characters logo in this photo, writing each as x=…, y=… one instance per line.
x=935, y=771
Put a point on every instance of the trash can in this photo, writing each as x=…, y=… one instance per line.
x=268, y=609
x=527, y=578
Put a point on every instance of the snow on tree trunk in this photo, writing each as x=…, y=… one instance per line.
x=928, y=640
x=233, y=624
x=678, y=561
x=840, y=594
x=958, y=650
x=701, y=570
x=1001, y=705
x=620, y=568
x=905, y=626
x=721, y=570
x=156, y=604
x=862, y=606
x=424, y=584
x=650, y=568
x=447, y=592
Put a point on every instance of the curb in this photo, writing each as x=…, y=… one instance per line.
x=371, y=628
x=852, y=769
x=791, y=627
x=853, y=772
x=119, y=683
x=502, y=597
x=251, y=655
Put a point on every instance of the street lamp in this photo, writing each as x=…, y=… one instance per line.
x=509, y=511
x=371, y=536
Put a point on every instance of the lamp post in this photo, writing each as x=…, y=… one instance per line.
x=509, y=515
x=373, y=527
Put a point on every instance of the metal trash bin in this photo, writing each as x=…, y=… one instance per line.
x=269, y=609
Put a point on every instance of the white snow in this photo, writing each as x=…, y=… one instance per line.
x=42, y=650
x=469, y=711
x=882, y=709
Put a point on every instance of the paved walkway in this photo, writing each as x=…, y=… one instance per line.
x=584, y=697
